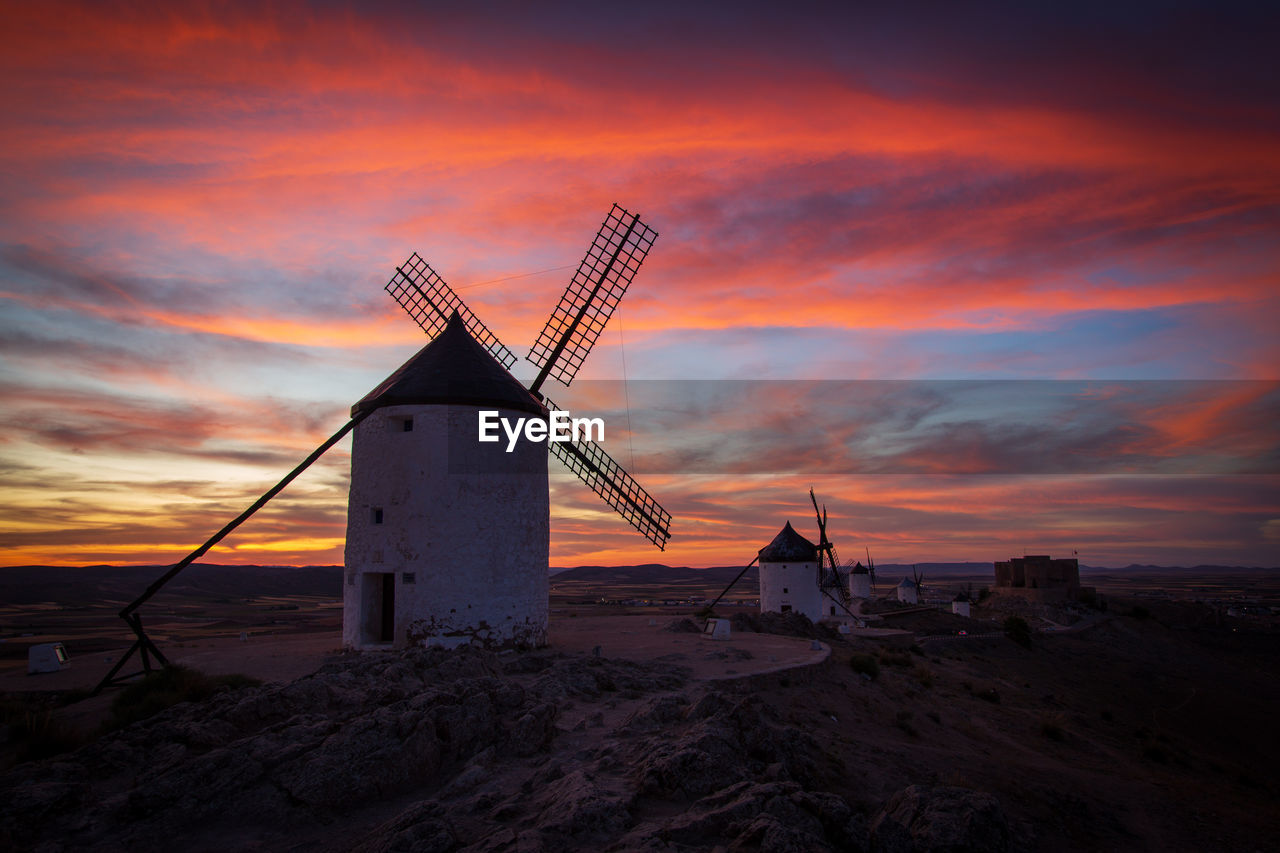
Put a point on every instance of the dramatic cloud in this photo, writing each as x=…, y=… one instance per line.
x=202, y=203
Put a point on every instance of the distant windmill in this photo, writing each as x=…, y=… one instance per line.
x=423, y=386
x=796, y=574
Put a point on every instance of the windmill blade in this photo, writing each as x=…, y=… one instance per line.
x=429, y=301
x=825, y=546
x=591, y=297
x=619, y=489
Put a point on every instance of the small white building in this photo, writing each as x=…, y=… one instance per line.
x=860, y=582
x=789, y=575
x=717, y=629
x=960, y=605
x=907, y=592
x=447, y=537
x=46, y=657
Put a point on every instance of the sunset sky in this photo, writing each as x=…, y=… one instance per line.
x=1080, y=208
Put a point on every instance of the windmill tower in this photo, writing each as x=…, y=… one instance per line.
x=448, y=551
x=789, y=575
x=907, y=591
x=447, y=537
x=860, y=581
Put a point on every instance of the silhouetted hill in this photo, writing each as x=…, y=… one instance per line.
x=85, y=584
x=1134, y=568
x=653, y=573
x=658, y=573
x=98, y=584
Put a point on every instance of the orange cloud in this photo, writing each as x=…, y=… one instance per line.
x=174, y=152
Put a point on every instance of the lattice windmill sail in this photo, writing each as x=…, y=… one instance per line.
x=598, y=285
x=619, y=489
x=430, y=302
x=591, y=297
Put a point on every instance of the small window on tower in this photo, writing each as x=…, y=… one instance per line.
x=408, y=577
x=407, y=425
x=786, y=608
x=351, y=579
x=785, y=590
x=833, y=610
x=377, y=515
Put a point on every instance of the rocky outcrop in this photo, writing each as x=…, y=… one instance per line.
x=430, y=750
x=921, y=819
x=360, y=730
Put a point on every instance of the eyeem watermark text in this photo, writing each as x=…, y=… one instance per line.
x=559, y=427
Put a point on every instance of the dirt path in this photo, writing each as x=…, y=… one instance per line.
x=286, y=657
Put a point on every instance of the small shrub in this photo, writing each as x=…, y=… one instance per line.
x=989, y=694
x=903, y=721
x=933, y=715
x=865, y=664
x=924, y=675
x=166, y=688
x=1017, y=629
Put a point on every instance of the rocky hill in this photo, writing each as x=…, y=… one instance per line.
x=436, y=751
x=1135, y=734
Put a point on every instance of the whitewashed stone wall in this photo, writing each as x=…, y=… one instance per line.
x=794, y=584
x=860, y=586
x=475, y=544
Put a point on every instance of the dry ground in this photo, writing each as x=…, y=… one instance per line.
x=1138, y=733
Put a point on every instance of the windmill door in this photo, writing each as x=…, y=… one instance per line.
x=388, y=622
x=378, y=608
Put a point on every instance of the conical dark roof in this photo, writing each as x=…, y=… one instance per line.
x=451, y=370
x=860, y=569
x=789, y=547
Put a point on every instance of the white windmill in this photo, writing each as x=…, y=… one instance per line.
x=463, y=541
x=799, y=576
x=447, y=537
